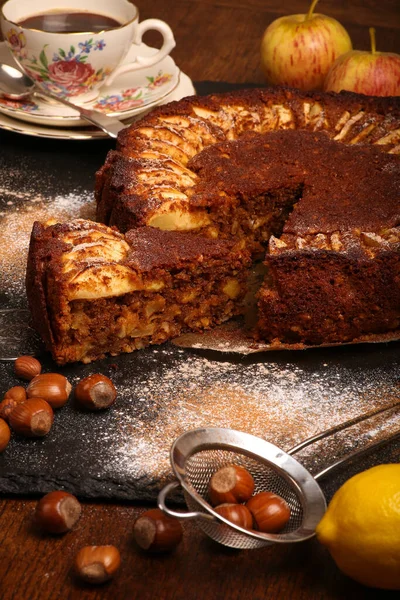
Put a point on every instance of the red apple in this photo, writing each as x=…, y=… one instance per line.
x=372, y=73
x=298, y=50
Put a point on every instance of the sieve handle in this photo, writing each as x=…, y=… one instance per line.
x=162, y=496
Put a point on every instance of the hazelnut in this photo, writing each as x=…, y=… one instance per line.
x=270, y=512
x=97, y=564
x=95, y=392
x=12, y=397
x=17, y=393
x=156, y=532
x=27, y=367
x=232, y=483
x=52, y=387
x=237, y=514
x=6, y=407
x=32, y=418
x=5, y=435
x=57, y=512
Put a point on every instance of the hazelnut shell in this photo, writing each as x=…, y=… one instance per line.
x=5, y=435
x=95, y=392
x=270, y=512
x=156, y=532
x=12, y=397
x=97, y=564
x=238, y=514
x=27, y=367
x=6, y=407
x=17, y=393
x=57, y=512
x=32, y=418
x=52, y=387
x=232, y=483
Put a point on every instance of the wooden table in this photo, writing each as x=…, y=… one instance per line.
x=216, y=40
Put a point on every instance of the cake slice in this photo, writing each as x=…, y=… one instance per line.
x=93, y=291
x=331, y=287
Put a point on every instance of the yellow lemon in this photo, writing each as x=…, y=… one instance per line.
x=361, y=527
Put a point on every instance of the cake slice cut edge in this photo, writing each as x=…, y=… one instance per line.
x=95, y=292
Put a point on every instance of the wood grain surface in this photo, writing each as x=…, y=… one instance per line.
x=220, y=39
x=216, y=40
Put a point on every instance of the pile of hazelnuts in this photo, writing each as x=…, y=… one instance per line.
x=231, y=492
x=30, y=411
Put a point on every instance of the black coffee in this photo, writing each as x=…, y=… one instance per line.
x=69, y=22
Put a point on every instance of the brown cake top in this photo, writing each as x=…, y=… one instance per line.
x=148, y=180
x=152, y=248
x=343, y=187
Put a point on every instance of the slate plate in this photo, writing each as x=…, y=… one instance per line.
x=164, y=391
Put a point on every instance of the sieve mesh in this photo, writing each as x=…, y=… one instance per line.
x=201, y=465
x=198, y=454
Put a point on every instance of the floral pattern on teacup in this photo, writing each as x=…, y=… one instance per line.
x=68, y=73
x=17, y=41
x=132, y=97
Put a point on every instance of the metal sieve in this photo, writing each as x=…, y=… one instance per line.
x=198, y=454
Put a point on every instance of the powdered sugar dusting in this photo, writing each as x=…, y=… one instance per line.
x=163, y=392
x=16, y=226
x=281, y=402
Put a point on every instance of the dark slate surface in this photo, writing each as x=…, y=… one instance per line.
x=79, y=453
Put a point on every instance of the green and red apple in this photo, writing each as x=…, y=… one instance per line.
x=372, y=73
x=298, y=50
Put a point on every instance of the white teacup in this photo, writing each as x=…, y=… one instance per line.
x=77, y=65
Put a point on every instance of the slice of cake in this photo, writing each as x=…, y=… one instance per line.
x=94, y=291
x=331, y=287
x=334, y=273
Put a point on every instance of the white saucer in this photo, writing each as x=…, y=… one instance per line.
x=184, y=88
x=130, y=94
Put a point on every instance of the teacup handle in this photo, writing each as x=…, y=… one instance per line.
x=147, y=61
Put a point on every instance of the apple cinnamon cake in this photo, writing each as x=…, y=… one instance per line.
x=94, y=291
x=312, y=180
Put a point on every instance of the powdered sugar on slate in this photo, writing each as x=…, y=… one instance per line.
x=282, y=403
